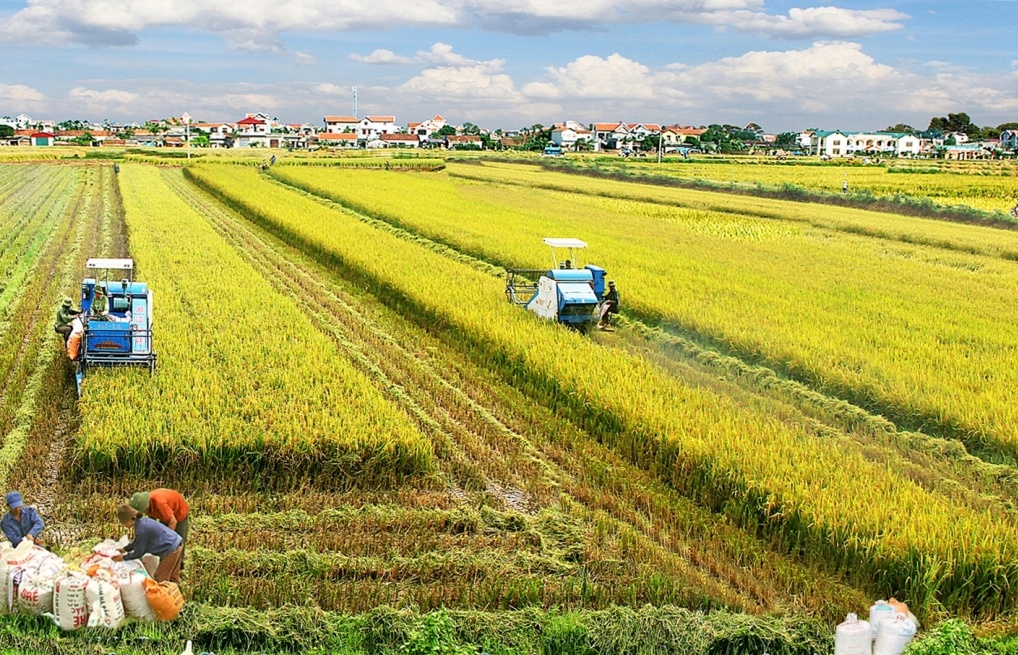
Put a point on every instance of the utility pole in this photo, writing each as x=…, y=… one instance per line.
x=660, y=141
x=355, y=102
x=187, y=131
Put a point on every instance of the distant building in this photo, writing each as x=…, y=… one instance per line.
x=837, y=143
x=340, y=124
x=428, y=128
x=371, y=127
x=567, y=136
x=397, y=141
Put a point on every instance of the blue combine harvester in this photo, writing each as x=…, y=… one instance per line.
x=563, y=293
x=123, y=337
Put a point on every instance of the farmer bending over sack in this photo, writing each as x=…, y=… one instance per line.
x=152, y=537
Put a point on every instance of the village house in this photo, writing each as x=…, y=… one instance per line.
x=334, y=139
x=371, y=127
x=837, y=143
x=97, y=137
x=396, y=141
x=251, y=132
x=220, y=134
x=610, y=136
x=463, y=141
x=428, y=128
x=675, y=137
x=340, y=124
x=567, y=135
x=640, y=131
x=1009, y=139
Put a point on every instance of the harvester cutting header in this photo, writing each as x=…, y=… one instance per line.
x=564, y=293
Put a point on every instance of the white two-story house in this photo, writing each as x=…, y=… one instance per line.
x=371, y=127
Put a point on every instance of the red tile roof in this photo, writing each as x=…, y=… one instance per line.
x=43, y=135
x=334, y=136
x=342, y=119
x=399, y=137
x=251, y=121
x=381, y=119
x=607, y=127
x=463, y=138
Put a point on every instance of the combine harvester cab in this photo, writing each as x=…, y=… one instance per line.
x=563, y=293
x=125, y=337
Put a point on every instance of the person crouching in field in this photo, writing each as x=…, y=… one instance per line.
x=169, y=508
x=65, y=316
x=152, y=538
x=21, y=522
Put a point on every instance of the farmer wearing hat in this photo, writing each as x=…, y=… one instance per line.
x=609, y=306
x=21, y=522
x=169, y=508
x=152, y=538
x=65, y=316
x=101, y=304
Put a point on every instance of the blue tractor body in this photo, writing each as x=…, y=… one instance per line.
x=564, y=294
x=123, y=335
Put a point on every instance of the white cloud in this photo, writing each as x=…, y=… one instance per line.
x=19, y=94
x=303, y=57
x=811, y=22
x=257, y=24
x=833, y=83
x=382, y=56
x=331, y=89
x=253, y=24
x=593, y=77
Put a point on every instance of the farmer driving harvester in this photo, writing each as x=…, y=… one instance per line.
x=100, y=305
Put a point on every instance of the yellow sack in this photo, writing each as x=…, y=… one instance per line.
x=164, y=598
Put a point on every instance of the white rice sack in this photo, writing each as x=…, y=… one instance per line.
x=132, y=593
x=26, y=557
x=106, y=610
x=70, y=604
x=5, y=586
x=35, y=594
x=109, y=547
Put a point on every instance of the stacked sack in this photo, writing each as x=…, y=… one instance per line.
x=100, y=592
x=27, y=577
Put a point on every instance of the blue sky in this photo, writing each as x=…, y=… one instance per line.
x=785, y=65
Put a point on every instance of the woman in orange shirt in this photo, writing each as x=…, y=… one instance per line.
x=169, y=508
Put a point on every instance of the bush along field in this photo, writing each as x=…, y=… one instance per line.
x=382, y=456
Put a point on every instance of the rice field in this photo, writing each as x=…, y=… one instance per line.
x=986, y=186
x=383, y=456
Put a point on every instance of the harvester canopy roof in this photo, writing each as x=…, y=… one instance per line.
x=110, y=264
x=565, y=243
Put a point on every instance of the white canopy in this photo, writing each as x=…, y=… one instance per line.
x=117, y=264
x=565, y=243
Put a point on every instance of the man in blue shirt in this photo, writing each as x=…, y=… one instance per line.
x=152, y=537
x=21, y=522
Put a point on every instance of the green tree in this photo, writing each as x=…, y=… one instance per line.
x=6, y=131
x=446, y=130
x=901, y=127
x=83, y=140
x=787, y=139
x=471, y=129
x=650, y=142
x=959, y=122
